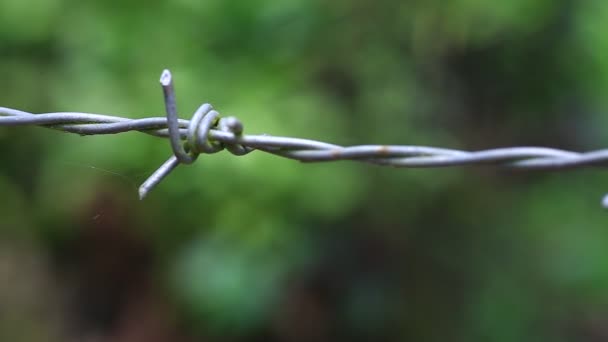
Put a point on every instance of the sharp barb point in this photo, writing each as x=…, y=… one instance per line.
x=142, y=193
x=165, y=78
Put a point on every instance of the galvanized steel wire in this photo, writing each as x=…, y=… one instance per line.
x=208, y=133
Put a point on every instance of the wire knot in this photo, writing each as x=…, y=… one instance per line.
x=199, y=135
x=203, y=120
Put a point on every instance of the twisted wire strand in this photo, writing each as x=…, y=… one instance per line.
x=208, y=133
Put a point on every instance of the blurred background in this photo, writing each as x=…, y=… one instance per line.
x=259, y=248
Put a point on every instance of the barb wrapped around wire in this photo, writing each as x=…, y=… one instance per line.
x=208, y=133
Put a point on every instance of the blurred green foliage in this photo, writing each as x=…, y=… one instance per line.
x=267, y=248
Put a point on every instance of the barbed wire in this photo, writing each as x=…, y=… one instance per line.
x=208, y=133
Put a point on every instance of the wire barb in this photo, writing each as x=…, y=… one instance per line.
x=166, y=82
x=208, y=133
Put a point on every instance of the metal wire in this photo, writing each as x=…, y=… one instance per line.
x=208, y=133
